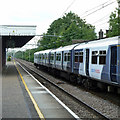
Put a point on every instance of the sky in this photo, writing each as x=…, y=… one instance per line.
x=43, y=12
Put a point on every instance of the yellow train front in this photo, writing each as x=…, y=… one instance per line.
x=9, y=58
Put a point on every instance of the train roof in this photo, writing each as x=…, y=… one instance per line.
x=45, y=51
x=54, y=50
x=42, y=52
x=36, y=53
x=99, y=43
x=89, y=44
x=65, y=48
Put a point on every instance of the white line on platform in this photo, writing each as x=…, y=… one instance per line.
x=39, y=92
x=68, y=109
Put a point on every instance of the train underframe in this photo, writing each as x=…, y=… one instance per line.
x=87, y=82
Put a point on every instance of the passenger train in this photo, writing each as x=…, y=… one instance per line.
x=92, y=63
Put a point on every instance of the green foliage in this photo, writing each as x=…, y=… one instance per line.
x=26, y=55
x=69, y=27
x=114, y=24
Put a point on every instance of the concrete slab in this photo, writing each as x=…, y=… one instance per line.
x=47, y=104
x=16, y=102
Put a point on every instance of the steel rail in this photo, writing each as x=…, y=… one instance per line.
x=103, y=117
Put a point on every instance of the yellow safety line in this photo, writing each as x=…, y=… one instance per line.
x=118, y=45
x=33, y=100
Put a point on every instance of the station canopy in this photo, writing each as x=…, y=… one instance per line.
x=16, y=35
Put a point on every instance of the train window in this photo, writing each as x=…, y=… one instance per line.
x=102, y=60
x=40, y=56
x=52, y=57
x=76, y=57
x=43, y=57
x=102, y=57
x=102, y=52
x=69, y=56
x=46, y=56
x=94, y=57
x=65, y=56
x=58, y=57
x=81, y=57
x=94, y=53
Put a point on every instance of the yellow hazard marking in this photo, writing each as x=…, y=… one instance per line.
x=118, y=45
x=33, y=100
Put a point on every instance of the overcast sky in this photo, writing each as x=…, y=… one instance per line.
x=43, y=12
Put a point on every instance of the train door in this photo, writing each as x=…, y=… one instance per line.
x=62, y=58
x=113, y=65
x=87, y=62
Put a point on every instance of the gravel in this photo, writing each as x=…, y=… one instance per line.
x=104, y=106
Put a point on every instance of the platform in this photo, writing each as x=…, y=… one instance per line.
x=15, y=100
x=25, y=97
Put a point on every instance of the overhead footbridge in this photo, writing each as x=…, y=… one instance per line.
x=14, y=36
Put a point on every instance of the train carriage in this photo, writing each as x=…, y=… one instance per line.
x=61, y=60
x=66, y=57
x=45, y=57
x=97, y=60
x=56, y=58
x=36, y=59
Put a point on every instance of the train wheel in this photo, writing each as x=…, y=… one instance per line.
x=79, y=80
x=87, y=83
x=73, y=79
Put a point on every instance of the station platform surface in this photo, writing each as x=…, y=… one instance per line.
x=15, y=100
x=25, y=97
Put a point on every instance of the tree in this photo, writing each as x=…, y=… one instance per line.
x=70, y=26
x=27, y=55
x=114, y=24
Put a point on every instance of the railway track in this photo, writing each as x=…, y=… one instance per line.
x=85, y=105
